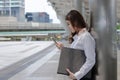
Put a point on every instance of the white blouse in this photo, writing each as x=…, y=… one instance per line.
x=85, y=42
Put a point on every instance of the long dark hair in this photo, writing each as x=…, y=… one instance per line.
x=76, y=20
x=71, y=37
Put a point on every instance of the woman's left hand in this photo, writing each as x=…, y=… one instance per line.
x=71, y=75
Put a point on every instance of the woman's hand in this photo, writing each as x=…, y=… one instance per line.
x=71, y=75
x=59, y=45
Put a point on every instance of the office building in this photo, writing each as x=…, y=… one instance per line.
x=14, y=8
x=38, y=17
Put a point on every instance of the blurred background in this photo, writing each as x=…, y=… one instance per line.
x=26, y=28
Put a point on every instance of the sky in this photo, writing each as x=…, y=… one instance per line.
x=41, y=6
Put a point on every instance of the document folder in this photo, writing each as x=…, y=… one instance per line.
x=72, y=59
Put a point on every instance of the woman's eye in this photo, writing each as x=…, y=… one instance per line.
x=68, y=24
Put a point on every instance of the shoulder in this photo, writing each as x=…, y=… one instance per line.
x=87, y=37
x=86, y=34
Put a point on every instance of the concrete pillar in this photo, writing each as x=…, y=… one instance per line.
x=104, y=22
x=79, y=5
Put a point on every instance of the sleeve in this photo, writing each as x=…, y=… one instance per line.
x=89, y=48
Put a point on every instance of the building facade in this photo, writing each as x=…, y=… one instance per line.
x=41, y=17
x=15, y=8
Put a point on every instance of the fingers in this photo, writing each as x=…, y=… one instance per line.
x=68, y=71
x=71, y=75
x=59, y=45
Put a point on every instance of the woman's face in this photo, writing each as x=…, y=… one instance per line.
x=70, y=26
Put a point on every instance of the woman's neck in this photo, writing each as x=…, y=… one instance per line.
x=82, y=30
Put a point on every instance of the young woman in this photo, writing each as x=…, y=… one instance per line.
x=82, y=40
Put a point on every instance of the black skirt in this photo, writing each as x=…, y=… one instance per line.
x=83, y=79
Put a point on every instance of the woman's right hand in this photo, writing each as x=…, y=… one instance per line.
x=59, y=45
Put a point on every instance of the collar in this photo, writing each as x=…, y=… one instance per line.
x=82, y=31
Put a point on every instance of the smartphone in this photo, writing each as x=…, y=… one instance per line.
x=54, y=40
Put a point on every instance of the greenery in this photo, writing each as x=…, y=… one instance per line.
x=118, y=26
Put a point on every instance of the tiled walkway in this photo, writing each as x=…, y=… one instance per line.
x=11, y=52
x=46, y=67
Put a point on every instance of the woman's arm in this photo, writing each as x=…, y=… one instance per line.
x=89, y=48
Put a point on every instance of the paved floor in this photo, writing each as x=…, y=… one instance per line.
x=44, y=68
x=11, y=52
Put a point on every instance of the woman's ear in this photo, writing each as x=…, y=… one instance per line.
x=76, y=29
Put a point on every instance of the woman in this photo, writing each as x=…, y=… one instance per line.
x=81, y=40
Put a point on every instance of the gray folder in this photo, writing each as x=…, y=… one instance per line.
x=72, y=59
